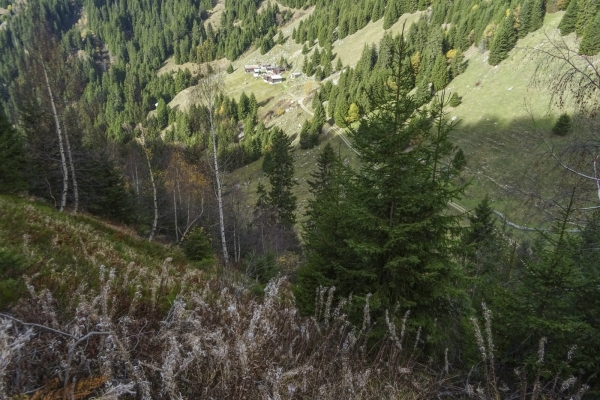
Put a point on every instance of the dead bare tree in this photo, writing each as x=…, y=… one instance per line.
x=206, y=92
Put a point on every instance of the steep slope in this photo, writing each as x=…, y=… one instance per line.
x=63, y=251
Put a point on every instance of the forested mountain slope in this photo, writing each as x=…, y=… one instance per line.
x=320, y=206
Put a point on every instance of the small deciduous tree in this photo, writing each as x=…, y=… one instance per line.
x=206, y=93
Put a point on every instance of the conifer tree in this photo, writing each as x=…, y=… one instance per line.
x=439, y=73
x=243, y=106
x=455, y=100
x=12, y=158
x=230, y=69
x=341, y=110
x=162, y=113
x=585, y=15
x=549, y=310
x=562, y=127
x=280, y=39
x=391, y=14
x=590, y=43
x=278, y=165
x=319, y=117
x=567, y=23
x=538, y=11
x=393, y=213
x=481, y=221
x=253, y=107
x=525, y=18
x=324, y=231
x=503, y=42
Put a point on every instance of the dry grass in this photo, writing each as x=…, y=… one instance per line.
x=214, y=342
x=217, y=341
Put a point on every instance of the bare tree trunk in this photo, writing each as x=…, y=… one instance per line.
x=206, y=92
x=218, y=181
x=155, y=222
x=175, y=209
x=65, y=172
x=73, y=175
x=189, y=225
x=137, y=183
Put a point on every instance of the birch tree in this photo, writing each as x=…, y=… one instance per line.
x=188, y=186
x=146, y=151
x=54, y=97
x=63, y=162
x=206, y=93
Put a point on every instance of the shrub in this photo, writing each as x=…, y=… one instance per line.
x=253, y=346
x=11, y=268
x=196, y=245
x=563, y=125
x=455, y=100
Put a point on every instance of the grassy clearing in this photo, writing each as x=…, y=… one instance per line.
x=503, y=121
x=68, y=250
x=350, y=48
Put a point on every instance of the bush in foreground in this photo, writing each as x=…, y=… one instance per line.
x=216, y=342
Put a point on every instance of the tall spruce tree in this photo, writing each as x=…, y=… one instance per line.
x=525, y=18
x=503, y=41
x=567, y=23
x=439, y=74
x=324, y=231
x=590, y=43
x=585, y=15
x=12, y=158
x=278, y=165
x=397, y=233
x=391, y=15
x=319, y=118
x=538, y=12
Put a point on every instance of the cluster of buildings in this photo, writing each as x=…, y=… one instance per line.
x=270, y=73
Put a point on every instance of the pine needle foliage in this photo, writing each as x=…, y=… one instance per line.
x=590, y=43
x=563, y=125
x=504, y=41
x=395, y=245
x=12, y=158
x=278, y=165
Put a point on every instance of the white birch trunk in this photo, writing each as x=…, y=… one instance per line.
x=73, y=175
x=155, y=222
x=137, y=183
x=175, y=210
x=65, y=172
x=218, y=181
